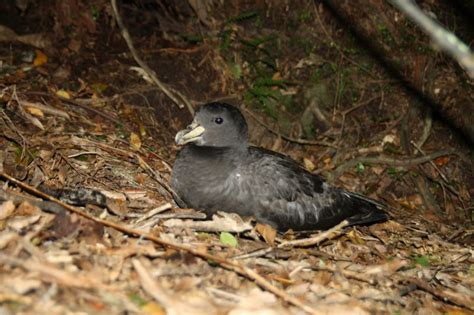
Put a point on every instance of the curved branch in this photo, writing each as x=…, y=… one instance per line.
x=389, y=161
x=167, y=90
x=442, y=37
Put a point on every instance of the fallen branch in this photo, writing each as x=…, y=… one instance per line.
x=44, y=108
x=168, y=91
x=155, y=211
x=82, y=103
x=317, y=239
x=389, y=161
x=47, y=206
x=255, y=254
x=462, y=300
x=217, y=224
x=289, y=139
x=446, y=40
x=223, y=262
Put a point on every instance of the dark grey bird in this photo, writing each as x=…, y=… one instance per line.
x=217, y=170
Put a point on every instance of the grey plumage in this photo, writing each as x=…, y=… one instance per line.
x=218, y=171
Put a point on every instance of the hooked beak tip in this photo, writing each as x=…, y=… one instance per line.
x=192, y=133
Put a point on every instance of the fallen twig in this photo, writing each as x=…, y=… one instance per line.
x=154, y=211
x=47, y=206
x=317, y=239
x=44, y=108
x=290, y=139
x=445, y=295
x=333, y=43
x=445, y=39
x=168, y=91
x=82, y=103
x=389, y=161
x=217, y=224
x=258, y=253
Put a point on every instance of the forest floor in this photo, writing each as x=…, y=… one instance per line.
x=78, y=112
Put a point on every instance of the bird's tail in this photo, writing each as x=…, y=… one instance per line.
x=368, y=210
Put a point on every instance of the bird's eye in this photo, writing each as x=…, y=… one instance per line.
x=218, y=120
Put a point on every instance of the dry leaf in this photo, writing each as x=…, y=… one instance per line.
x=441, y=161
x=58, y=257
x=392, y=139
x=117, y=207
x=378, y=170
x=277, y=76
x=153, y=308
x=40, y=58
x=222, y=221
x=455, y=311
x=27, y=209
x=6, y=209
x=258, y=302
x=19, y=223
x=135, y=141
x=6, y=238
x=268, y=233
x=35, y=111
x=142, y=130
x=63, y=94
x=22, y=286
x=355, y=238
x=327, y=160
x=309, y=164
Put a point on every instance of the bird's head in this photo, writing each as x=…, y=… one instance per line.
x=215, y=125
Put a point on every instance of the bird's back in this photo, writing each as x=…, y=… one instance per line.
x=287, y=196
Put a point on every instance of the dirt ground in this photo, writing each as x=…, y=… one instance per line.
x=351, y=90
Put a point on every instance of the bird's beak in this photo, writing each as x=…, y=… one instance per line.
x=192, y=133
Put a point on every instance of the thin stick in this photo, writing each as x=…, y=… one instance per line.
x=255, y=254
x=80, y=103
x=333, y=43
x=317, y=239
x=223, y=262
x=154, y=211
x=390, y=161
x=150, y=286
x=47, y=206
x=446, y=40
x=464, y=300
x=299, y=141
x=45, y=108
x=431, y=162
x=145, y=67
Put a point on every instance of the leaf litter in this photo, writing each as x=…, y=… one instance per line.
x=56, y=261
x=64, y=262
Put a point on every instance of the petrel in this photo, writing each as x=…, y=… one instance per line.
x=218, y=170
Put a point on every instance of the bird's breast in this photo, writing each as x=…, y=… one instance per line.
x=210, y=185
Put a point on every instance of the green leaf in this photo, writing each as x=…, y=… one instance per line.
x=137, y=299
x=422, y=261
x=360, y=168
x=236, y=71
x=228, y=239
